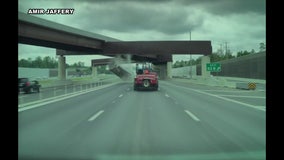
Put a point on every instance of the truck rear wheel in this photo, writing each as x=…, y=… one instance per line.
x=146, y=83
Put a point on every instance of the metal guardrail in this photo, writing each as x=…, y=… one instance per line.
x=232, y=82
x=59, y=90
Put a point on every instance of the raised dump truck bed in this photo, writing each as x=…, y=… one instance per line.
x=146, y=78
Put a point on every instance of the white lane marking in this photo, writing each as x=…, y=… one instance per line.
x=209, y=90
x=224, y=98
x=96, y=115
x=120, y=95
x=242, y=96
x=22, y=96
x=167, y=95
x=231, y=100
x=262, y=107
x=192, y=115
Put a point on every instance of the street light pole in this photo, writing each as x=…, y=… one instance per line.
x=190, y=57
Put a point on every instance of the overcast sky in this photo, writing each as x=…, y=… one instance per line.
x=239, y=23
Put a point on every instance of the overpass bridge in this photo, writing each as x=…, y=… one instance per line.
x=71, y=41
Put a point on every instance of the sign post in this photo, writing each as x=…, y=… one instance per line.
x=213, y=67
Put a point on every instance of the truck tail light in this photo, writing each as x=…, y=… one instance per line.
x=153, y=80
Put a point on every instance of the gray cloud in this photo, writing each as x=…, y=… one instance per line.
x=132, y=18
x=225, y=7
x=241, y=23
x=166, y=16
x=213, y=6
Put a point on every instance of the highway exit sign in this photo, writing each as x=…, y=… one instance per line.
x=213, y=67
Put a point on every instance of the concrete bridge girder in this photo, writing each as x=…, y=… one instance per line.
x=71, y=41
x=164, y=69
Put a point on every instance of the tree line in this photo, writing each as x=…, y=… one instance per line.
x=45, y=62
x=49, y=62
x=218, y=56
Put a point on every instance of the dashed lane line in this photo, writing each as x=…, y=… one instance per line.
x=167, y=95
x=96, y=115
x=192, y=115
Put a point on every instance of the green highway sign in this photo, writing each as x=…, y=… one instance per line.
x=213, y=67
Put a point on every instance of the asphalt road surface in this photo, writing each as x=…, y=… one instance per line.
x=179, y=121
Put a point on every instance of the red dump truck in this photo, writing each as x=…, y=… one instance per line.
x=146, y=78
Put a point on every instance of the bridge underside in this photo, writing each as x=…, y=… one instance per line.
x=152, y=51
x=40, y=32
x=71, y=41
x=157, y=47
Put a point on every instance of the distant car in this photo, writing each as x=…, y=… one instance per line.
x=27, y=86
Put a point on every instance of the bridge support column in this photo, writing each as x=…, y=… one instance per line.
x=204, y=60
x=161, y=70
x=61, y=67
x=169, y=69
x=94, y=71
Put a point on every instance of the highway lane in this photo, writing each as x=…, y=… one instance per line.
x=178, y=121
